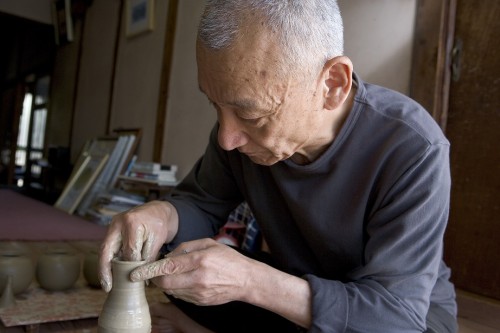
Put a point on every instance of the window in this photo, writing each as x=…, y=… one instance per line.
x=30, y=141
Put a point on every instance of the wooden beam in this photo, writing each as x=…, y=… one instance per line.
x=168, y=51
x=17, y=108
x=115, y=64
x=432, y=53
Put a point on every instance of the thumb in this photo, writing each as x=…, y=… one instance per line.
x=166, y=266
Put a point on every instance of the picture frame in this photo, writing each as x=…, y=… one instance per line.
x=97, y=146
x=137, y=134
x=80, y=181
x=124, y=142
x=139, y=17
x=102, y=145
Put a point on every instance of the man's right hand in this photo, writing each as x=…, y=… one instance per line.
x=137, y=234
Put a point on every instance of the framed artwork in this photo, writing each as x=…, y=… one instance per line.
x=80, y=181
x=98, y=146
x=101, y=146
x=139, y=16
x=119, y=148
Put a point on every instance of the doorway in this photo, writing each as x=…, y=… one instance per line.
x=456, y=76
x=472, y=246
x=26, y=63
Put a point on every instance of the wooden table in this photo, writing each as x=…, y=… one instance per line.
x=35, y=227
x=37, y=310
x=72, y=311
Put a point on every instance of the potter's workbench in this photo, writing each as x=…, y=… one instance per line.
x=74, y=310
x=34, y=227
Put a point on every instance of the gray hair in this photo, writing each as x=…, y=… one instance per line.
x=309, y=31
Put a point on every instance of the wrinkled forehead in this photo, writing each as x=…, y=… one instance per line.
x=248, y=58
x=252, y=67
x=245, y=80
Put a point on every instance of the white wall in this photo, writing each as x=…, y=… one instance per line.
x=137, y=80
x=36, y=10
x=130, y=85
x=189, y=116
x=95, y=75
x=379, y=40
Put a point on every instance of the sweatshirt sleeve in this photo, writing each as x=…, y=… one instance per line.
x=390, y=291
x=204, y=199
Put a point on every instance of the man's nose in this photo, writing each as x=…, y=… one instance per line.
x=230, y=134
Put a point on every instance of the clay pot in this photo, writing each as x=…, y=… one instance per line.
x=126, y=307
x=91, y=268
x=17, y=265
x=58, y=270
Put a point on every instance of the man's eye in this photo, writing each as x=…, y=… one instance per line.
x=250, y=120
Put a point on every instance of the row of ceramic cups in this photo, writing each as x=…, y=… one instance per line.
x=55, y=270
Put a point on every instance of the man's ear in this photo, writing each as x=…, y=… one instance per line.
x=337, y=81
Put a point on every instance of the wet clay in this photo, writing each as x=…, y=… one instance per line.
x=126, y=308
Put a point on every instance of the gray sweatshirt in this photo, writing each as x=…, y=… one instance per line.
x=363, y=224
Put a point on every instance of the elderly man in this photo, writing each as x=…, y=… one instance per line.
x=349, y=183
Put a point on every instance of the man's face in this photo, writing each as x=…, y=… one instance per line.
x=265, y=116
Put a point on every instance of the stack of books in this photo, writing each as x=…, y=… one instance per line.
x=152, y=172
x=111, y=203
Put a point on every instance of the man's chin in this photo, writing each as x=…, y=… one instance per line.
x=264, y=161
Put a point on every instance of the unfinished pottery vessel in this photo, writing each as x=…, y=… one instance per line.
x=19, y=266
x=126, y=308
x=58, y=269
x=91, y=268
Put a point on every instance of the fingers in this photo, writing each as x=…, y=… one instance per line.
x=133, y=239
x=148, y=248
x=105, y=275
x=192, y=246
x=135, y=235
x=181, y=260
x=109, y=249
x=161, y=267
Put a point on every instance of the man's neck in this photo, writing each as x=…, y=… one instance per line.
x=337, y=121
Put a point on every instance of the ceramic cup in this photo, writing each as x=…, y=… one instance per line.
x=58, y=270
x=19, y=266
x=91, y=268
